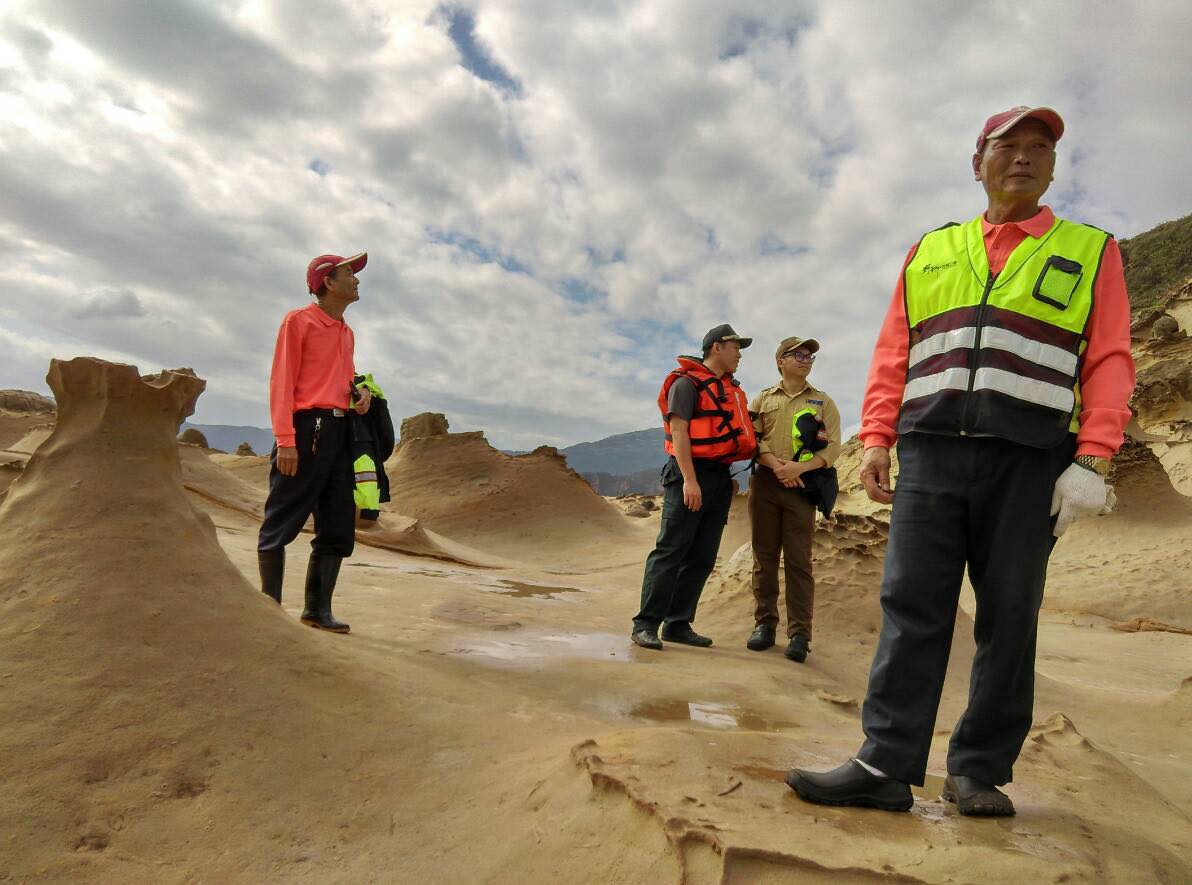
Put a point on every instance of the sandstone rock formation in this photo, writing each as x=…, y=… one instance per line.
x=1166, y=327
x=524, y=505
x=1162, y=403
x=151, y=695
x=25, y=401
x=423, y=424
x=244, y=450
x=194, y=437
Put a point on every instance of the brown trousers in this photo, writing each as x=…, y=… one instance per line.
x=783, y=521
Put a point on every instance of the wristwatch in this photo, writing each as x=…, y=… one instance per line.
x=1099, y=466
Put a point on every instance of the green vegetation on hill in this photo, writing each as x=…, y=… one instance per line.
x=1157, y=260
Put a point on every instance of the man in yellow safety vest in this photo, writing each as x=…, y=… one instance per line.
x=1003, y=370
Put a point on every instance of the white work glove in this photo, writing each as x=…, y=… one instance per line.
x=1079, y=492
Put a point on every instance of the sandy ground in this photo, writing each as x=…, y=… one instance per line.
x=488, y=720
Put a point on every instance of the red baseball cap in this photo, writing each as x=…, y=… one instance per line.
x=320, y=268
x=1000, y=124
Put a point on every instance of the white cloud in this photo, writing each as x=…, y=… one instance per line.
x=539, y=251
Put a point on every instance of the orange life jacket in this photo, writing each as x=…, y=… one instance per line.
x=720, y=427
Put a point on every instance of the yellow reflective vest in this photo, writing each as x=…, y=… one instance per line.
x=999, y=354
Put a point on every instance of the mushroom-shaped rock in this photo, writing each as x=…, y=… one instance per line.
x=133, y=644
x=1166, y=327
x=423, y=424
x=245, y=450
x=194, y=437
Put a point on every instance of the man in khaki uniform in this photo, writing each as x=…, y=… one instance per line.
x=781, y=511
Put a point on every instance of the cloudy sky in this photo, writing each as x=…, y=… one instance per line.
x=556, y=197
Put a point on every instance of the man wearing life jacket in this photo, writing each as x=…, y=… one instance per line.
x=706, y=416
x=311, y=389
x=790, y=418
x=1003, y=370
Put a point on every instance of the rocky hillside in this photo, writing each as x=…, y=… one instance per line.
x=1157, y=262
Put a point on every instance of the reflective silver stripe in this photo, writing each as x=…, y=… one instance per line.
x=949, y=379
x=1028, y=389
x=942, y=342
x=366, y=477
x=1047, y=355
x=1036, y=351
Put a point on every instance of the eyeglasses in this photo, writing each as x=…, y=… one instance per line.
x=800, y=357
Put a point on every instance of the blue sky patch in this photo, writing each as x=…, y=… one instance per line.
x=580, y=292
x=477, y=249
x=461, y=28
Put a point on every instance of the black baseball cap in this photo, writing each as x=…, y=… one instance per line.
x=725, y=333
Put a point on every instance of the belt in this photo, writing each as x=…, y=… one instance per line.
x=323, y=413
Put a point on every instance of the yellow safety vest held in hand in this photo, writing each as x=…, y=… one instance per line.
x=367, y=491
x=999, y=355
x=367, y=494
x=808, y=435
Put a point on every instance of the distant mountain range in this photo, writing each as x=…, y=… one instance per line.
x=620, y=455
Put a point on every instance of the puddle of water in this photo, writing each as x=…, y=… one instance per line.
x=530, y=649
x=522, y=589
x=504, y=586
x=933, y=788
x=707, y=713
x=406, y=569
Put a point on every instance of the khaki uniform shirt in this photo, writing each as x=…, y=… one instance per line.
x=776, y=409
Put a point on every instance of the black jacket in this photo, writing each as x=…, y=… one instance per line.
x=372, y=435
x=821, y=486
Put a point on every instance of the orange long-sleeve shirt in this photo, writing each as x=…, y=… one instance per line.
x=313, y=365
x=1106, y=373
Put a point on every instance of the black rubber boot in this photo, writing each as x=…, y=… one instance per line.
x=272, y=564
x=321, y=574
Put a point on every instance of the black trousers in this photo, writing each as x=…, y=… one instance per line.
x=323, y=485
x=687, y=544
x=984, y=503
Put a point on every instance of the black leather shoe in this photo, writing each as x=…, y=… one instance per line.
x=322, y=572
x=685, y=636
x=646, y=639
x=272, y=566
x=761, y=638
x=797, y=648
x=850, y=784
x=976, y=798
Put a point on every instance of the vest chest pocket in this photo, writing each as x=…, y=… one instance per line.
x=1058, y=281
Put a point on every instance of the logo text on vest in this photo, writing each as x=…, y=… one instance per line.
x=932, y=268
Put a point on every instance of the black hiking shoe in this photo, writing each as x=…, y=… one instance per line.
x=684, y=635
x=976, y=798
x=646, y=638
x=761, y=638
x=797, y=648
x=850, y=784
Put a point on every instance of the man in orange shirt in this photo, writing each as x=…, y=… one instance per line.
x=1003, y=370
x=310, y=391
